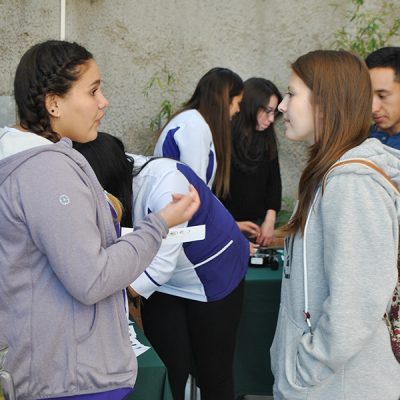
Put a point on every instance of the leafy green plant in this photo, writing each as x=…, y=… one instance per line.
x=286, y=211
x=368, y=29
x=165, y=82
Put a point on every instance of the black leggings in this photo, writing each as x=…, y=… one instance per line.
x=197, y=338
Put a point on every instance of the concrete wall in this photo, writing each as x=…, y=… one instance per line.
x=134, y=39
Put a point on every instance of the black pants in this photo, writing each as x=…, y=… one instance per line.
x=197, y=338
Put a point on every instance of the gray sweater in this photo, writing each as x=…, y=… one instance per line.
x=351, y=252
x=62, y=272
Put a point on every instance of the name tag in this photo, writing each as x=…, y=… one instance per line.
x=179, y=235
x=183, y=235
x=256, y=261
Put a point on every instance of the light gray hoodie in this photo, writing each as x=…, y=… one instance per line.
x=351, y=251
x=62, y=272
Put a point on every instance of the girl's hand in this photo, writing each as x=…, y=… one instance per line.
x=253, y=248
x=249, y=228
x=266, y=234
x=181, y=208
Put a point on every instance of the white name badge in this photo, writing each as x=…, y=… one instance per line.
x=188, y=234
x=179, y=235
x=256, y=261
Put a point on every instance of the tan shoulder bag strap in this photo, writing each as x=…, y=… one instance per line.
x=362, y=161
x=393, y=319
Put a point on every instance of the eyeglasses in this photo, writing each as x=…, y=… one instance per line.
x=270, y=111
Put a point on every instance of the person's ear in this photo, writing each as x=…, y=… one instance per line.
x=51, y=104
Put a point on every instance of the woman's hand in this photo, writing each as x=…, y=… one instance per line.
x=267, y=229
x=249, y=228
x=253, y=248
x=266, y=235
x=181, y=208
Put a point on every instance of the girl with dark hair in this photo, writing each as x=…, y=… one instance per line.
x=63, y=269
x=255, y=186
x=340, y=272
x=113, y=172
x=200, y=134
x=192, y=292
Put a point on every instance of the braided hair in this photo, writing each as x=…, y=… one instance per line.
x=50, y=67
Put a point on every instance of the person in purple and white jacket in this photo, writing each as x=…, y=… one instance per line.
x=192, y=292
x=200, y=134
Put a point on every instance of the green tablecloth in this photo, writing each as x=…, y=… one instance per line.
x=252, y=368
x=152, y=381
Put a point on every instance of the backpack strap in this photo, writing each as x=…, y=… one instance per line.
x=364, y=162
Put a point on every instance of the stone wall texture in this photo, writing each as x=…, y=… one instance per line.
x=133, y=40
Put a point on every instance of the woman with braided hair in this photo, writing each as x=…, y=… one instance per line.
x=63, y=270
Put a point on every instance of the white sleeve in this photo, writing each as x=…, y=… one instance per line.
x=194, y=141
x=163, y=265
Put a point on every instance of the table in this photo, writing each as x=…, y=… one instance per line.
x=252, y=370
x=152, y=380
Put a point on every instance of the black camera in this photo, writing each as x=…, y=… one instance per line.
x=265, y=257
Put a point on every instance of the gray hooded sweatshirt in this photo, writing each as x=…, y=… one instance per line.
x=351, y=253
x=62, y=272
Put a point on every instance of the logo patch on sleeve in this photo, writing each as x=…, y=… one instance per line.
x=64, y=199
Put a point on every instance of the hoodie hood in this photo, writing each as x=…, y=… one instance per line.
x=13, y=141
x=16, y=147
x=385, y=157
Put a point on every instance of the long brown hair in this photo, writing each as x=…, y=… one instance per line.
x=212, y=98
x=342, y=101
